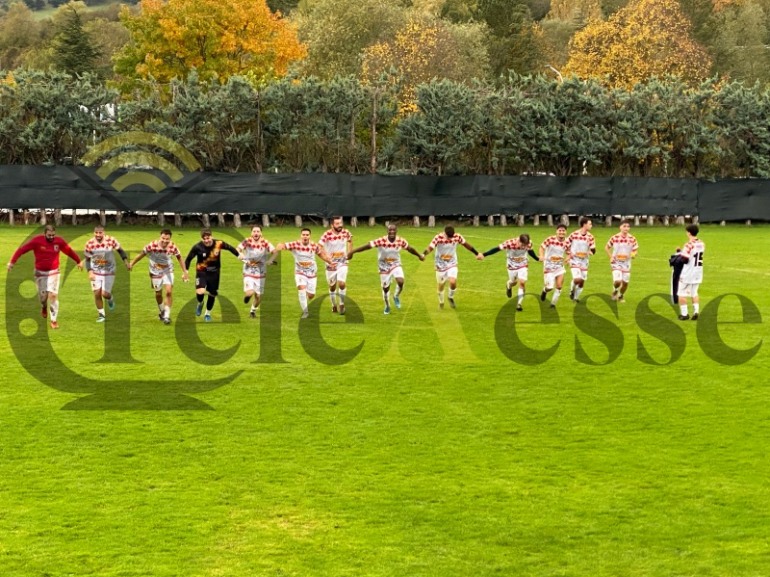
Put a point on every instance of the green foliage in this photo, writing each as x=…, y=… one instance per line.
x=74, y=51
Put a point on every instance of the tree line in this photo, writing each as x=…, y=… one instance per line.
x=517, y=125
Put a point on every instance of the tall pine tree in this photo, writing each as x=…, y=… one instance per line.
x=73, y=50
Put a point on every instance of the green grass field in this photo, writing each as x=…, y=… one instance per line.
x=428, y=452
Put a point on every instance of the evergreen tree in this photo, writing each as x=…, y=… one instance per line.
x=73, y=50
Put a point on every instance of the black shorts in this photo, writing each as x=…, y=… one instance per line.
x=207, y=280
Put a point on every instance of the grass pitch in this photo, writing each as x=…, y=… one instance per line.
x=407, y=444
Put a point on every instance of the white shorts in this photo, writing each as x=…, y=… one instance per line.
x=103, y=282
x=158, y=282
x=254, y=284
x=47, y=282
x=688, y=290
x=387, y=278
x=308, y=283
x=621, y=275
x=520, y=274
x=579, y=273
x=340, y=274
x=549, y=278
x=443, y=275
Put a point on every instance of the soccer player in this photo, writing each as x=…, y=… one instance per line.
x=445, y=244
x=692, y=273
x=254, y=252
x=389, y=263
x=208, y=263
x=100, y=264
x=47, y=247
x=553, y=253
x=161, y=253
x=621, y=248
x=581, y=246
x=304, y=251
x=337, y=242
x=517, y=250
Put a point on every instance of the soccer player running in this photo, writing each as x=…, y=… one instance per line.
x=304, y=251
x=621, y=248
x=389, y=263
x=208, y=264
x=254, y=252
x=553, y=253
x=47, y=247
x=337, y=242
x=100, y=264
x=692, y=273
x=581, y=246
x=445, y=244
x=517, y=250
x=160, y=254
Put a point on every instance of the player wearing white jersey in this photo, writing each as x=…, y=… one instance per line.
x=581, y=246
x=337, y=242
x=305, y=268
x=100, y=264
x=161, y=254
x=445, y=245
x=254, y=252
x=621, y=248
x=516, y=250
x=553, y=253
x=692, y=273
x=389, y=263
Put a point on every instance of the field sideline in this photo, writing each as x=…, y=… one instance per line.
x=408, y=444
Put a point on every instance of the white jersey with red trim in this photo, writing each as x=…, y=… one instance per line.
x=446, y=250
x=516, y=253
x=304, y=257
x=388, y=252
x=254, y=254
x=581, y=246
x=336, y=246
x=623, y=246
x=554, y=252
x=161, y=259
x=102, y=255
x=692, y=272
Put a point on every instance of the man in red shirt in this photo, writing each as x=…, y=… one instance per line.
x=47, y=247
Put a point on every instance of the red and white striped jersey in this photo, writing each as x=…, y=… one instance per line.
x=516, y=253
x=102, y=254
x=304, y=257
x=581, y=247
x=254, y=254
x=336, y=246
x=388, y=253
x=446, y=250
x=554, y=251
x=161, y=259
x=623, y=246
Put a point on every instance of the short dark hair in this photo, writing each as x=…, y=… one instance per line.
x=449, y=231
x=561, y=225
x=693, y=229
x=305, y=229
x=625, y=221
x=166, y=231
x=524, y=238
x=584, y=220
x=205, y=232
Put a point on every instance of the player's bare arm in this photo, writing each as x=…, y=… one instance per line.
x=185, y=276
x=411, y=250
x=135, y=260
x=362, y=248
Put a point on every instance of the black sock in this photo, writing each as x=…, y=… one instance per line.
x=246, y=300
x=210, y=302
x=199, y=297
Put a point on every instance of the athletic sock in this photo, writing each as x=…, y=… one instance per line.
x=210, y=303
x=167, y=312
x=441, y=297
x=578, y=290
x=101, y=312
x=556, y=295
x=342, y=293
x=452, y=293
x=519, y=295
x=199, y=297
x=683, y=310
x=695, y=308
x=333, y=297
x=302, y=300
x=54, y=308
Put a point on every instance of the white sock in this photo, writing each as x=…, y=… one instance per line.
x=342, y=293
x=519, y=295
x=452, y=293
x=683, y=310
x=101, y=312
x=54, y=308
x=441, y=297
x=167, y=312
x=556, y=295
x=578, y=290
x=695, y=308
x=333, y=297
x=302, y=300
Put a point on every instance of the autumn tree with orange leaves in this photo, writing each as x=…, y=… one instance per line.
x=647, y=38
x=218, y=39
